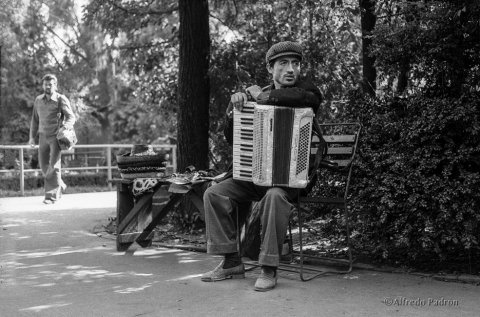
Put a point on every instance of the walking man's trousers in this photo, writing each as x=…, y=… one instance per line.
x=49, y=160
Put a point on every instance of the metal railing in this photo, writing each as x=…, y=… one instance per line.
x=108, y=147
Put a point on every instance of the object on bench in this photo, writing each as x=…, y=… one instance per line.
x=142, y=162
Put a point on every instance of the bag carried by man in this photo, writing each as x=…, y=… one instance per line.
x=66, y=136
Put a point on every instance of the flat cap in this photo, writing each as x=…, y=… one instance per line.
x=286, y=48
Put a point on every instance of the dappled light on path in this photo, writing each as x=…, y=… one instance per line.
x=57, y=267
x=184, y=257
x=56, y=270
x=42, y=254
x=130, y=290
x=183, y=278
x=37, y=309
x=11, y=222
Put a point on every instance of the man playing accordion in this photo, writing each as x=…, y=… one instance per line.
x=276, y=203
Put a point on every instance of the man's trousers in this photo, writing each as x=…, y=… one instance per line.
x=49, y=161
x=275, y=204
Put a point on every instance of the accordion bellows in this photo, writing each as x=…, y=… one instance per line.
x=271, y=145
x=146, y=164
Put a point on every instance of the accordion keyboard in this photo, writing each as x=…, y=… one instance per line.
x=243, y=142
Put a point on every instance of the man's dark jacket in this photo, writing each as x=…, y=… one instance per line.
x=302, y=95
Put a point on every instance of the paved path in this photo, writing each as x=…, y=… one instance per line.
x=53, y=264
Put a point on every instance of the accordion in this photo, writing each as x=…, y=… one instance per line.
x=271, y=145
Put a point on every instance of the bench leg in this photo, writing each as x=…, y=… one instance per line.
x=144, y=219
x=124, y=205
x=148, y=230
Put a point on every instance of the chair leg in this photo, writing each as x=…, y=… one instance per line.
x=350, y=258
x=249, y=265
x=237, y=224
x=290, y=243
x=302, y=269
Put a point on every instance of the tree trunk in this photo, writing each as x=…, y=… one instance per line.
x=193, y=85
x=368, y=20
x=107, y=136
x=1, y=101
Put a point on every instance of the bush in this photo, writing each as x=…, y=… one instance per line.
x=72, y=180
x=415, y=189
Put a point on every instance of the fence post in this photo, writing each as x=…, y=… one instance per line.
x=22, y=178
x=109, y=164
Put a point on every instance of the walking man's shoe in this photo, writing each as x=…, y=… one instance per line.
x=267, y=279
x=220, y=274
x=48, y=201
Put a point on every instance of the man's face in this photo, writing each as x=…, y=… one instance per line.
x=285, y=71
x=49, y=86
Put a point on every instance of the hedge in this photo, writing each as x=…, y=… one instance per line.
x=415, y=191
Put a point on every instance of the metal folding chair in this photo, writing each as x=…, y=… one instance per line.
x=341, y=141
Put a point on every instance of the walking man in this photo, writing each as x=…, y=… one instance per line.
x=48, y=109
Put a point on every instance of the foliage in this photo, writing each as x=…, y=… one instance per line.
x=434, y=44
x=144, y=49
x=416, y=192
x=186, y=218
x=21, y=67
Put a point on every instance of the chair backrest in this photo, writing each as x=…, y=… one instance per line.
x=341, y=143
x=341, y=140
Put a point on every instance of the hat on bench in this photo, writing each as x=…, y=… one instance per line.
x=142, y=149
x=141, y=162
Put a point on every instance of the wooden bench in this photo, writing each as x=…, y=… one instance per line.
x=137, y=218
x=134, y=217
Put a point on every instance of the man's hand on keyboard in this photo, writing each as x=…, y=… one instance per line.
x=238, y=99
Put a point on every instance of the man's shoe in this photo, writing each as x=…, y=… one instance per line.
x=48, y=201
x=220, y=274
x=267, y=280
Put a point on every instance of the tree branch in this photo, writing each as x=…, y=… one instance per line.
x=74, y=50
x=133, y=47
x=146, y=11
x=334, y=44
x=54, y=57
x=221, y=21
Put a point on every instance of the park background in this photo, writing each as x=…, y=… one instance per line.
x=148, y=71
